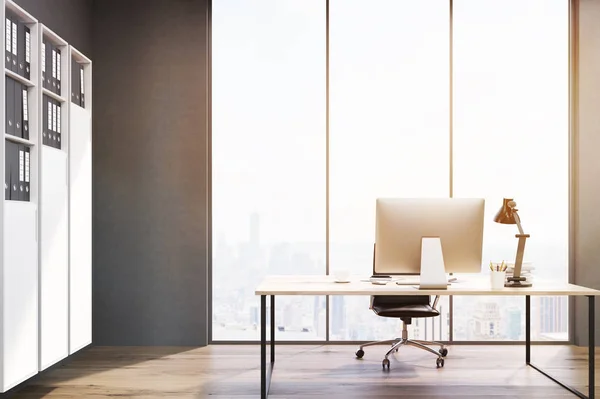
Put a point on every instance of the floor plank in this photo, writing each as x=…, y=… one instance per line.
x=311, y=371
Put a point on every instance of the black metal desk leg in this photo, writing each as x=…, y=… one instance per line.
x=263, y=347
x=592, y=345
x=266, y=366
x=527, y=329
x=272, y=330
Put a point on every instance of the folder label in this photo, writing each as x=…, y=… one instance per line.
x=81, y=79
x=14, y=38
x=27, y=46
x=27, y=167
x=57, y=67
x=54, y=117
x=25, y=111
x=21, y=166
x=49, y=116
x=44, y=58
x=53, y=63
x=8, y=39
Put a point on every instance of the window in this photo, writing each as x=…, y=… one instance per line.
x=389, y=113
x=268, y=161
x=511, y=139
x=391, y=133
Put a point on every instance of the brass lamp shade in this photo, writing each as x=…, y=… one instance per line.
x=506, y=214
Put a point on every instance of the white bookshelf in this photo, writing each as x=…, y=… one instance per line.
x=80, y=210
x=19, y=327
x=45, y=267
x=54, y=223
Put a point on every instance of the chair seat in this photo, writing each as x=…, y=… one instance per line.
x=402, y=311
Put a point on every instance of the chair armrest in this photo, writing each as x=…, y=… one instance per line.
x=435, y=302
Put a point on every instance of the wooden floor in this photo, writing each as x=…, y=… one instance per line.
x=311, y=372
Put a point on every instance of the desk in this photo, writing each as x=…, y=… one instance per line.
x=479, y=285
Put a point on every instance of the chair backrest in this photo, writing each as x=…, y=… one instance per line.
x=380, y=300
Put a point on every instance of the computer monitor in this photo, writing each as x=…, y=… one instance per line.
x=401, y=223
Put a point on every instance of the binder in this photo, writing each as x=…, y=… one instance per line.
x=54, y=124
x=9, y=106
x=21, y=47
x=75, y=82
x=81, y=85
x=58, y=71
x=44, y=63
x=14, y=171
x=53, y=69
x=8, y=42
x=7, y=165
x=58, y=132
x=26, y=192
x=25, y=112
x=45, y=120
x=14, y=58
x=21, y=187
x=48, y=65
x=27, y=52
x=18, y=104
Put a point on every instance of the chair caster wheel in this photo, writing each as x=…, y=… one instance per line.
x=386, y=363
x=439, y=362
x=444, y=352
x=360, y=353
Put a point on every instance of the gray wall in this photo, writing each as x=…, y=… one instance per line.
x=151, y=172
x=586, y=226
x=70, y=19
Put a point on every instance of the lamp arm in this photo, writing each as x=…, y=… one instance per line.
x=518, y=220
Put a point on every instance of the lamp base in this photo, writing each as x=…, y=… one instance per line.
x=517, y=284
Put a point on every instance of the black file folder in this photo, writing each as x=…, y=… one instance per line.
x=14, y=45
x=21, y=47
x=53, y=117
x=7, y=148
x=27, y=33
x=44, y=120
x=26, y=191
x=21, y=158
x=58, y=67
x=18, y=104
x=14, y=172
x=8, y=41
x=10, y=106
x=43, y=62
x=54, y=69
x=75, y=83
x=25, y=113
x=58, y=132
x=81, y=86
x=48, y=65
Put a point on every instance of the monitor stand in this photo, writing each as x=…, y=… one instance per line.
x=433, y=272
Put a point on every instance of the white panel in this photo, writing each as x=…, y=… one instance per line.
x=20, y=299
x=80, y=170
x=54, y=267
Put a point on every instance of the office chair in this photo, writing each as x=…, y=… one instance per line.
x=404, y=308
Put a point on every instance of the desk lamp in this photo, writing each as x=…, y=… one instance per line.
x=508, y=215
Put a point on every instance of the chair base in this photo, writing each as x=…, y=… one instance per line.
x=398, y=342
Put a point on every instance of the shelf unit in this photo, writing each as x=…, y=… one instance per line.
x=80, y=203
x=19, y=327
x=54, y=221
x=45, y=267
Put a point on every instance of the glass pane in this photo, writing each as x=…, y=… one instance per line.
x=389, y=104
x=268, y=161
x=511, y=140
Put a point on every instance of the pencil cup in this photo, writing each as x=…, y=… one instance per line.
x=497, y=279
